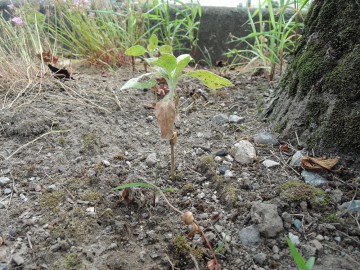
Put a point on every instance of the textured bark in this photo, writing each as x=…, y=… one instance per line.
x=319, y=95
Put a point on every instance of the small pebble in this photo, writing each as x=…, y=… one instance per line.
x=337, y=239
x=4, y=181
x=18, y=260
x=297, y=224
x=319, y=237
x=106, y=163
x=7, y=191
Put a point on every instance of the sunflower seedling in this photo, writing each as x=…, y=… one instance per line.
x=171, y=69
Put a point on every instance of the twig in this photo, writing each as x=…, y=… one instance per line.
x=284, y=163
x=36, y=139
x=117, y=100
x=172, y=265
x=29, y=240
x=297, y=138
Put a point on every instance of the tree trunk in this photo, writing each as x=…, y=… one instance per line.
x=318, y=98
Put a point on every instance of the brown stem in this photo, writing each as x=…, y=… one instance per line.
x=172, y=153
x=207, y=243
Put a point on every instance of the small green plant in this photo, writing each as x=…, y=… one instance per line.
x=271, y=40
x=299, y=260
x=170, y=68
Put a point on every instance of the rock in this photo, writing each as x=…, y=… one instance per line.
x=222, y=168
x=337, y=239
x=315, y=243
x=52, y=188
x=313, y=178
x=308, y=251
x=220, y=119
x=17, y=259
x=303, y=205
x=13, y=232
x=236, y=119
x=265, y=138
x=250, y=236
x=294, y=239
x=201, y=195
x=353, y=206
x=210, y=236
x=4, y=266
x=229, y=158
x=268, y=163
x=150, y=118
x=267, y=218
x=222, y=153
x=260, y=258
x=106, y=163
x=228, y=174
x=151, y=160
x=319, y=237
x=297, y=224
x=296, y=159
x=7, y=191
x=336, y=195
x=4, y=181
x=275, y=249
x=287, y=220
x=243, y=152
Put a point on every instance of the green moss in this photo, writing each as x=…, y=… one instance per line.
x=181, y=245
x=187, y=188
x=231, y=193
x=73, y=262
x=299, y=191
x=92, y=196
x=51, y=201
x=331, y=218
x=89, y=141
x=206, y=163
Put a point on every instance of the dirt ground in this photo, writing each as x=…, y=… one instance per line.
x=65, y=144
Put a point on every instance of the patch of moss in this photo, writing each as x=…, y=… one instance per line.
x=187, y=188
x=331, y=218
x=73, y=262
x=74, y=183
x=184, y=248
x=231, y=193
x=89, y=141
x=62, y=140
x=51, y=201
x=92, y=196
x=299, y=191
x=206, y=163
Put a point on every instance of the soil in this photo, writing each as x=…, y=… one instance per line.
x=66, y=144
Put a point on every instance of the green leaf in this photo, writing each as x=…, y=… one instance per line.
x=299, y=260
x=136, y=84
x=153, y=43
x=182, y=61
x=165, y=49
x=129, y=185
x=167, y=62
x=136, y=50
x=310, y=263
x=210, y=79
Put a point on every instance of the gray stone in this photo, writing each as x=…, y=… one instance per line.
x=315, y=243
x=303, y=205
x=337, y=239
x=250, y=236
x=4, y=181
x=151, y=160
x=106, y=163
x=297, y=224
x=336, y=195
x=221, y=119
x=353, y=206
x=319, y=237
x=267, y=218
x=18, y=260
x=222, y=153
x=265, y=138
x=296, y=159
x=236, y=119
x=313, y=178
x=243, y=152
x=260, y=258
x=7, y=191
x=228, y=174
x=268, y=163
x=222, y=168
x=308, y=251
x=294, y=239
x=275, y=249
x=4, y=266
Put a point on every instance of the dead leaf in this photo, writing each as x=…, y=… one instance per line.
x=213, y=265
x=316, y=164
x=47, y=57
x=284, y=147
x=165, y=113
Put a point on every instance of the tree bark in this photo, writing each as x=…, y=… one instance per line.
x=318, y=97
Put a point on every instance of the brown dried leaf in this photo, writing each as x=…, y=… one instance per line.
x=316, y=164
x=165, y=113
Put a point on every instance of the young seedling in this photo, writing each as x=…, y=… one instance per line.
x=171, y=69
x=299, y=260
